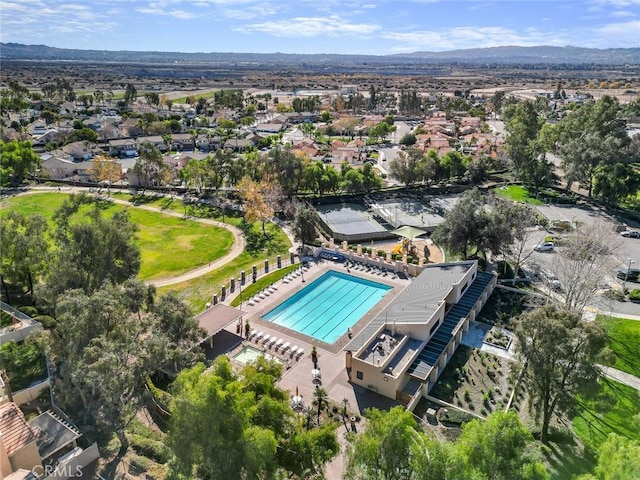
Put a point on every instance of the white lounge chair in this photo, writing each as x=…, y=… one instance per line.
x=274, y=287
x=253, y=333
x=300, y=352
x=266, y=292
x=285, y=280
x=262, y=296
x=251, y=302
x=258, y=336
x=294, y=350
x=277, y=344
x=267, y=339
x=284, y=347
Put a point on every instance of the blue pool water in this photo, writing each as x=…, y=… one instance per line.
x=326, y=308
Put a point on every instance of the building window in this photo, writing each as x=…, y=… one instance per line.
x=464, y=288
x=359, y=375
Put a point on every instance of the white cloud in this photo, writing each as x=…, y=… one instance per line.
x=332, y=26
x=622, y=34
x=471, y=37
x=622, y=14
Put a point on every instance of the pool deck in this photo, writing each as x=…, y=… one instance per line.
x=331, y=357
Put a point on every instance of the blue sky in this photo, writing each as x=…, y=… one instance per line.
x=318, y=26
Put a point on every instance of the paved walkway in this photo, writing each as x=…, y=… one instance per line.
x=620, y=376
x=238, y=237
x=613, y=373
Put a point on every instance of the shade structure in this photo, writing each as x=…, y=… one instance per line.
x=408, y=232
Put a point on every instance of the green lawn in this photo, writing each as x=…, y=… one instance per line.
x=518, y=193
x=263, y=282
x=176, y=205
x=169, y=246
x=207, y=96
x=44, y=204
x=612, y=411
x=198, y=292
x=624, y=340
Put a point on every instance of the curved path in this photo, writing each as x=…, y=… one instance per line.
x=238, y=237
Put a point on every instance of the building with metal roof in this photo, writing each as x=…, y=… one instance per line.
x=402, y=351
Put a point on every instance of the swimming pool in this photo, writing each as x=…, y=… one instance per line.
x=326, y=308
x=249, y=354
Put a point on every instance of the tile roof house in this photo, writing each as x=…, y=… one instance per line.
x=18, y=441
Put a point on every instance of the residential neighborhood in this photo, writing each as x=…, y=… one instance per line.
x=215, y=271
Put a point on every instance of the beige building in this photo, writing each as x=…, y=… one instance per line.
x=18, y=444
x=402, y=351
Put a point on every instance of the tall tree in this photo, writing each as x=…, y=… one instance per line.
x=619, y=460
x=392, y=447
x=463, y=225
x=17, y=159
x=522, y=125
x=585, y=261
x=255, y=207
x=228, y=426
x=105, y=170
x=407, y=167
x=25, y=250
x=92, y=252
x=498, y=448
x=305, y=224
x=130, y=94
x=105, y=347
x=612, y=183
x=149, y=167
x=590, y=136
x=558, y=353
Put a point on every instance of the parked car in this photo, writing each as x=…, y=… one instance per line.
x=628, y=274
x=545, y=247
x=550, y=280
x=631, y=233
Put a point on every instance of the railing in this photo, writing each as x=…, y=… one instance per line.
x=260, y=272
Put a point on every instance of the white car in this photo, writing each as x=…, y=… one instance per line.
x=631, y=233
x=545, y=247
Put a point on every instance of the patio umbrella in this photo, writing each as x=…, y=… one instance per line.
x=408, y=232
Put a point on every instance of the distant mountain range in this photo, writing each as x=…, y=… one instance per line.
x=502, y=55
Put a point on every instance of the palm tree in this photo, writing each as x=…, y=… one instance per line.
x=320, y=397
x=308, y=415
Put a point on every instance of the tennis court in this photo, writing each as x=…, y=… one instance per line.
x=351, y=222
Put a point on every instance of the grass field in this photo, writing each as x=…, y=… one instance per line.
x=231, y=217
x=518, y=193
x=624, y=340
x=169, y=246
x=262, y=283
x=206, y=96
x=198, y=292
x=44, y=204
x=612, y=412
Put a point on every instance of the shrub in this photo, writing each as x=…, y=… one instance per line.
x=139, y=464
x=382, y=253
x=28, y=310
x=467, y=395
x=149, y=448
x=453, y=417
x=47, y=321
x=634, y=295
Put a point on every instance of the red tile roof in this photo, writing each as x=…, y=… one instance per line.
x=16, y=432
